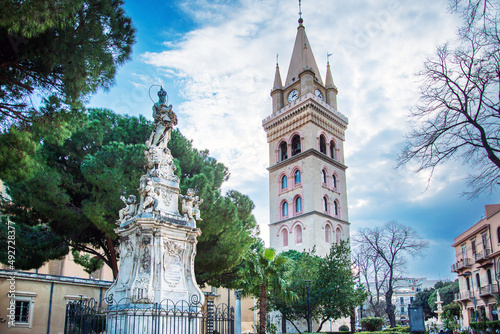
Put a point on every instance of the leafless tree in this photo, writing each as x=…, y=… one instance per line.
x=374, y=274
x=391, y=243
x=458, y=114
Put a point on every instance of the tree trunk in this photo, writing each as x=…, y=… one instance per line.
x=389, y=308
x=112, y=253
x=353, y=320
x=262, y=309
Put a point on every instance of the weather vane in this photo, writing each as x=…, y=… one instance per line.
x=328, y=57
x=300, y=9
x=276, y=59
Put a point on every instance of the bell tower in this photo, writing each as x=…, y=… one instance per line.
x=307, y=179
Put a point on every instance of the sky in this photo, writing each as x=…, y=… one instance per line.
x=216, y=60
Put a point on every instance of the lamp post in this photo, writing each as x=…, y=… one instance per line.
x=473, y=295
x=309, y=327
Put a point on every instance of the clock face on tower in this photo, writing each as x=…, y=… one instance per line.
x=317, y=92
x=293, y=96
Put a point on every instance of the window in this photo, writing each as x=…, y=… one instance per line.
x=284, y=209
x=298, y=178
x=323, y=176
x=488, y=276
x=336, y=208
x=473, y=246
x=284, y=182
x=411, y=300
x=498, y=234
x=283, y=151
x=298, y=204
x=402, y=310
x=284, y=237
x=296, y=145
x=23, y=313
x=334, y=181
x=298, y=234
x=478, y=281
x=464, y=251
x=328, y=231
x=467, y=281
x=322, y=144
x=332, y=149
x=338, y=234
x=402, y=300
x=325, y=204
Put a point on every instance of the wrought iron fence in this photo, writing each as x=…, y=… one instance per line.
x=87, y=316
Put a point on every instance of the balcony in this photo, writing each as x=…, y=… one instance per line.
x=463, y=295
x=488, y=290
x=482, y=256
x=462, y=264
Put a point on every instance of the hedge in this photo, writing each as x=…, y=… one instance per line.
x=484, y=325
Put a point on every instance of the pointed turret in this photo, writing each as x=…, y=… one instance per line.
x=331, y=90
x=302, y=57
x=277, y=79
x=277, y=91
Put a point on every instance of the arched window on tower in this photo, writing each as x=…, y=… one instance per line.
x=296, y=147
x=323, y=176
x=336, y=208
x=284, y=182
x=334, y=181
x=338, y=234
x=298, y=234
x=298, y=177
x=283, y=151
x=284, y=237
x=322, y=144
x=325, y=204
x=284, y=209
x=298, y=205
x=332, y=149
x=328, y=232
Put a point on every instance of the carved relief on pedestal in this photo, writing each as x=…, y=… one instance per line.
x=141, y=288
x=127, y=264
x=172, y=263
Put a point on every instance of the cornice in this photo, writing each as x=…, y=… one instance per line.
x=314, y=212
x=306, y=154
x=306, y=99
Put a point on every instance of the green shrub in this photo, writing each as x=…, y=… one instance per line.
x=402, y=329
x=372, y=324
x=344, y=328
x=484, y=325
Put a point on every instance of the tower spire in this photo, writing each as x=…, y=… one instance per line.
x=329, y=78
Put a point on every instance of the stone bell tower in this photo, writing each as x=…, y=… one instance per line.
x=306, y=133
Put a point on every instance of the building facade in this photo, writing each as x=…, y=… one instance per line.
x=477, y=264
x=306, y=133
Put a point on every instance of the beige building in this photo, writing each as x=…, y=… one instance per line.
x=478, y=267
x=305, y=132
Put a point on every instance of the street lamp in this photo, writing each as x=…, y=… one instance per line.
x=473, y=295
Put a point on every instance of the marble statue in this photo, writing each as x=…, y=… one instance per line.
x=129, y=210
x=164, y=120
x=190, y=205
x=150, y=197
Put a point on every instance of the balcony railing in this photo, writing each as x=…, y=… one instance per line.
x=463, y=295
x=482, y=255
x=467, y=262
x=490, y=289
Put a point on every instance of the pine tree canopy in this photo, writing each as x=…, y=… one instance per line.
x=67, y=49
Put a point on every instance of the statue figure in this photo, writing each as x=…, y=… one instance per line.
x=164, y=119
x=129, y=210
x=196, y=208
x=150, y=197
x=190, y=205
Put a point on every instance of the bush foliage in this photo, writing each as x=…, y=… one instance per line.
x=372, y=324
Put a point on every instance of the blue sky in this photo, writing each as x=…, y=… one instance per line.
x=216, y=60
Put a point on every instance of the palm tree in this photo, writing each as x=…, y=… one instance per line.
x=266, y=274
